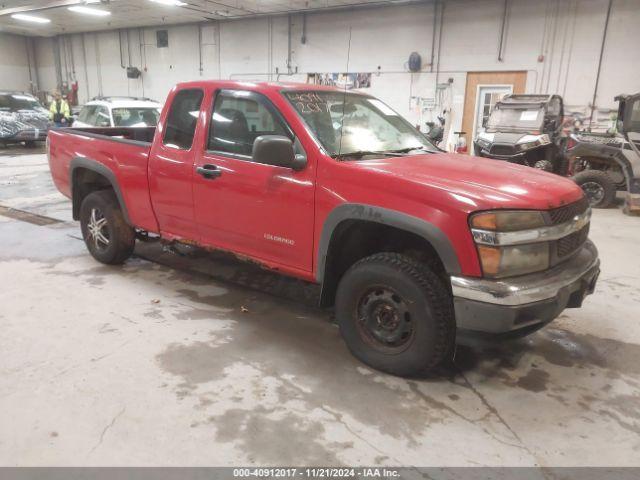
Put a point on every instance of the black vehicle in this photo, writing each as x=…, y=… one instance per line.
x=22, y=119
x=603, y=164
x=525, y=129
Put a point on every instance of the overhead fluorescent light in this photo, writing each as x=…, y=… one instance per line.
x=90, y=11
x=30, y=18
x=173, y=3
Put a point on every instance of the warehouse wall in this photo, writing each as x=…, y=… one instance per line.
x=556, y=41
x=14, y=63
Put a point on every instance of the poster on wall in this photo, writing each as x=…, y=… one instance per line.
x=348, y=81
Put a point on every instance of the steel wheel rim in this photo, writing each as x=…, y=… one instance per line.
x=594, y=192
x=97, y=230
x=384, y=320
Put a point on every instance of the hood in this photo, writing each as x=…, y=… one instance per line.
x=509, y=138
x=477, y=183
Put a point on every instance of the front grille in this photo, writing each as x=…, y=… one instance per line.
x=502, y=150
x=569, y=244
x=566, y=213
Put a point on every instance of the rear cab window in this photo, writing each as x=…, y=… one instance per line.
x=182, y=119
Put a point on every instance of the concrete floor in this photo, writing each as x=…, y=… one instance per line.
x=148, y=364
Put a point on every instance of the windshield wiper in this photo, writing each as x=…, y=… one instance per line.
x=363, y=153
x=409, y=149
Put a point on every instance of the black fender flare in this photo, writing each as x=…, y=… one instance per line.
x=614, y=154
x=99, y=168
x=356, y=211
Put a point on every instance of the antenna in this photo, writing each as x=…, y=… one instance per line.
x=344, y=97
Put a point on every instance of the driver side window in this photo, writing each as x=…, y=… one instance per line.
x=238, y=119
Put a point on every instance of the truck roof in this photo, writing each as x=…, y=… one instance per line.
x=260, y=86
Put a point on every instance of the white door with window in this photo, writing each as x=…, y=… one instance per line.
x=487, y=97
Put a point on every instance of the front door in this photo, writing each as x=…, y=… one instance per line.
x=477, y=105
x=262, y=211
x=487, y=97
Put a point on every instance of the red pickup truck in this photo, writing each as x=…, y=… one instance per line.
x=416, y=248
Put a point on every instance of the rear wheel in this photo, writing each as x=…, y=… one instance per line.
x=108, y=237
x=395, y=314
x=598, y=187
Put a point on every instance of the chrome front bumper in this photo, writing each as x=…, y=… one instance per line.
x=508, y=305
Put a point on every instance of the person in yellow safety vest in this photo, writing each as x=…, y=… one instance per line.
x=59, y=111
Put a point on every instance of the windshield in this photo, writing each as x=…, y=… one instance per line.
x=135, y=117
x=518, y=118
x=347, y=123
x=17, y=102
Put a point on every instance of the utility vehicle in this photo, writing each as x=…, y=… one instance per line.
x=603, y=164
x=525, y=129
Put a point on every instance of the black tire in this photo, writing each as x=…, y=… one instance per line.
x=120, y=237
x=597, y=186
x=388, y=289
x=30, y=144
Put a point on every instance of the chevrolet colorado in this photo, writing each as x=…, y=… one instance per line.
x=415, y=248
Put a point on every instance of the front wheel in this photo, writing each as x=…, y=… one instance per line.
x=108, y=237
x=395, y=314
x=597, y=186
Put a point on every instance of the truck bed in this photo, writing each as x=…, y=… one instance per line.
x=127, y=134
x=124, y=154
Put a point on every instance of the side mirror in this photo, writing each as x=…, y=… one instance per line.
x=277, y=150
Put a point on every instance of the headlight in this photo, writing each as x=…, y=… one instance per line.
x=500, y=262
x=531, y=141
x=507, y=221
x=526, y=146
x=495, y=234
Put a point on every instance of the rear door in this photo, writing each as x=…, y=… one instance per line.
x=263, y=211
x=171, y=165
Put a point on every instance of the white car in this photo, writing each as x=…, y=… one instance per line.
x=119, y=112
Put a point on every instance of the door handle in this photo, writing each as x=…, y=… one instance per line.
x=208, y=171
